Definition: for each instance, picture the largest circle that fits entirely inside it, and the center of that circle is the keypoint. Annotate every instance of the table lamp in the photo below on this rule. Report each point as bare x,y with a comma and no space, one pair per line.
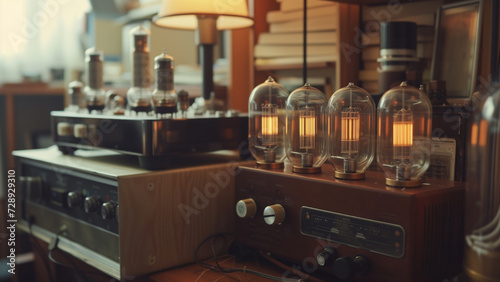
206,17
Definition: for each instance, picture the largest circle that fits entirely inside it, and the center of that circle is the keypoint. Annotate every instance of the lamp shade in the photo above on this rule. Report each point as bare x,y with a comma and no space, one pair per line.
183,14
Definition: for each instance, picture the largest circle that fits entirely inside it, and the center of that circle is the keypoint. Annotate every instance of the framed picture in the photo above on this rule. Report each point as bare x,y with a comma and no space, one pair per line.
456,49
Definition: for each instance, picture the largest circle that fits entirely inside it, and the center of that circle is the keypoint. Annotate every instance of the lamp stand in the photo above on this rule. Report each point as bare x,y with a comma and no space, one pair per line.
206,37
207,59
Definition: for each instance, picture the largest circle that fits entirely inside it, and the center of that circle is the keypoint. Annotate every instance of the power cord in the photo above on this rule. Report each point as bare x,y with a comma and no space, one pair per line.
218,268
38,248
291,269
53,247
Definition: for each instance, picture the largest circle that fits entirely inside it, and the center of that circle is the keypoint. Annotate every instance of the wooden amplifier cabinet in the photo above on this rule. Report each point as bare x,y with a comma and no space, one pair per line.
148,221
391,234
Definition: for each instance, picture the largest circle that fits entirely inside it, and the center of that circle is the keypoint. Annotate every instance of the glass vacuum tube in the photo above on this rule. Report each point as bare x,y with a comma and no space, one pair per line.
404,135
115,103
267,120
76,97
183,102
94,92
482,217
164,96
306,138
139,95
352,131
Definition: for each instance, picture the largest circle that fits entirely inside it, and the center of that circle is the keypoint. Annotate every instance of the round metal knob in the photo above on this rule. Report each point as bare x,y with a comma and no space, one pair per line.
274,214
64,129
74,199
246,208
108,210
326,256
344,268
91,204
80,130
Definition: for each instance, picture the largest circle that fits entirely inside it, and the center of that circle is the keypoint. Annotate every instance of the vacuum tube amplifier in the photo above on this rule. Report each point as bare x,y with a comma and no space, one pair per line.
164,96
306,134
483,194
404,135
267,123
351,129
94,92
139,95
343,230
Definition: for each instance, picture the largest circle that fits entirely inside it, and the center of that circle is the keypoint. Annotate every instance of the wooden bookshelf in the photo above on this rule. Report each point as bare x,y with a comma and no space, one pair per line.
373,2
19,100
245,75
294,66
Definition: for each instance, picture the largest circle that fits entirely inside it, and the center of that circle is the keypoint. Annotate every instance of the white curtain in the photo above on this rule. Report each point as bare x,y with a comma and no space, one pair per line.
38,35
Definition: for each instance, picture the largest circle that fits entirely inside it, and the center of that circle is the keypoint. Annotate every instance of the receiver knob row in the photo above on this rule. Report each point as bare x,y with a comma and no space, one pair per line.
108,210
273,214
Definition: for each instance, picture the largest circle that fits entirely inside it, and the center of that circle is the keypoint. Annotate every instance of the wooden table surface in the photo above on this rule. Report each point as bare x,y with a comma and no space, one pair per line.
196,272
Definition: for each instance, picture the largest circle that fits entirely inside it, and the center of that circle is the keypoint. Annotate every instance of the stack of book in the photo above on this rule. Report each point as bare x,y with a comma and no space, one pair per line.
282,45
423,15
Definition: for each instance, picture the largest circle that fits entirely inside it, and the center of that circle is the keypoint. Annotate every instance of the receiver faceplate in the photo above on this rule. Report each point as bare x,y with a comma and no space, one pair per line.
375,236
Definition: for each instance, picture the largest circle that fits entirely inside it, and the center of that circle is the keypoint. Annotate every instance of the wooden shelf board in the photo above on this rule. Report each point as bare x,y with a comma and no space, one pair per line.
294,66
372,2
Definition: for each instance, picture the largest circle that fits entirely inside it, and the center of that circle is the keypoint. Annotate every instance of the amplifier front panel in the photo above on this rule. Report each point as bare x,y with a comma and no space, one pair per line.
355,218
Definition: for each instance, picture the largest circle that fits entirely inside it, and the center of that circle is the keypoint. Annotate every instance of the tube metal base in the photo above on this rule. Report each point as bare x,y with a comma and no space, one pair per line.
482,267
274,165
349,175
402,183
308,170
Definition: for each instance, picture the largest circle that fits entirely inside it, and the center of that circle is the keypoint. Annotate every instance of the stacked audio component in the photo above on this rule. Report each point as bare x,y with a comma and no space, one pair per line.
157,142
119,218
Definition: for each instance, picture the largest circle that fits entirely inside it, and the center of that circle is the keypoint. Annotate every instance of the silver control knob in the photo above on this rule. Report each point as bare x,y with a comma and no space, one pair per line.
80,130
327,256
108,210
74,199
91,204
274,214
64,129
246,208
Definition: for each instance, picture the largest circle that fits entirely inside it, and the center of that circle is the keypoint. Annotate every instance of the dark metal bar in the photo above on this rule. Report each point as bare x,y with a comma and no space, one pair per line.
207,60
304,53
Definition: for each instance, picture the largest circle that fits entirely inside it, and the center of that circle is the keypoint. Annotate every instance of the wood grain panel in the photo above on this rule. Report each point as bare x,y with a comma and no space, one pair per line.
165,216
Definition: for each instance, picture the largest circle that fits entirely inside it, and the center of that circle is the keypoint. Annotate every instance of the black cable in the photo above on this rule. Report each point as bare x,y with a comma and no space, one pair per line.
196,255
218,268
39,248
67,266
214,252
75,268
53,246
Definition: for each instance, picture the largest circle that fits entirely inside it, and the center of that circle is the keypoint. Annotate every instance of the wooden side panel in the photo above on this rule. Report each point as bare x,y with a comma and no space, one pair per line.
243,77
165,216
349,60
241,74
